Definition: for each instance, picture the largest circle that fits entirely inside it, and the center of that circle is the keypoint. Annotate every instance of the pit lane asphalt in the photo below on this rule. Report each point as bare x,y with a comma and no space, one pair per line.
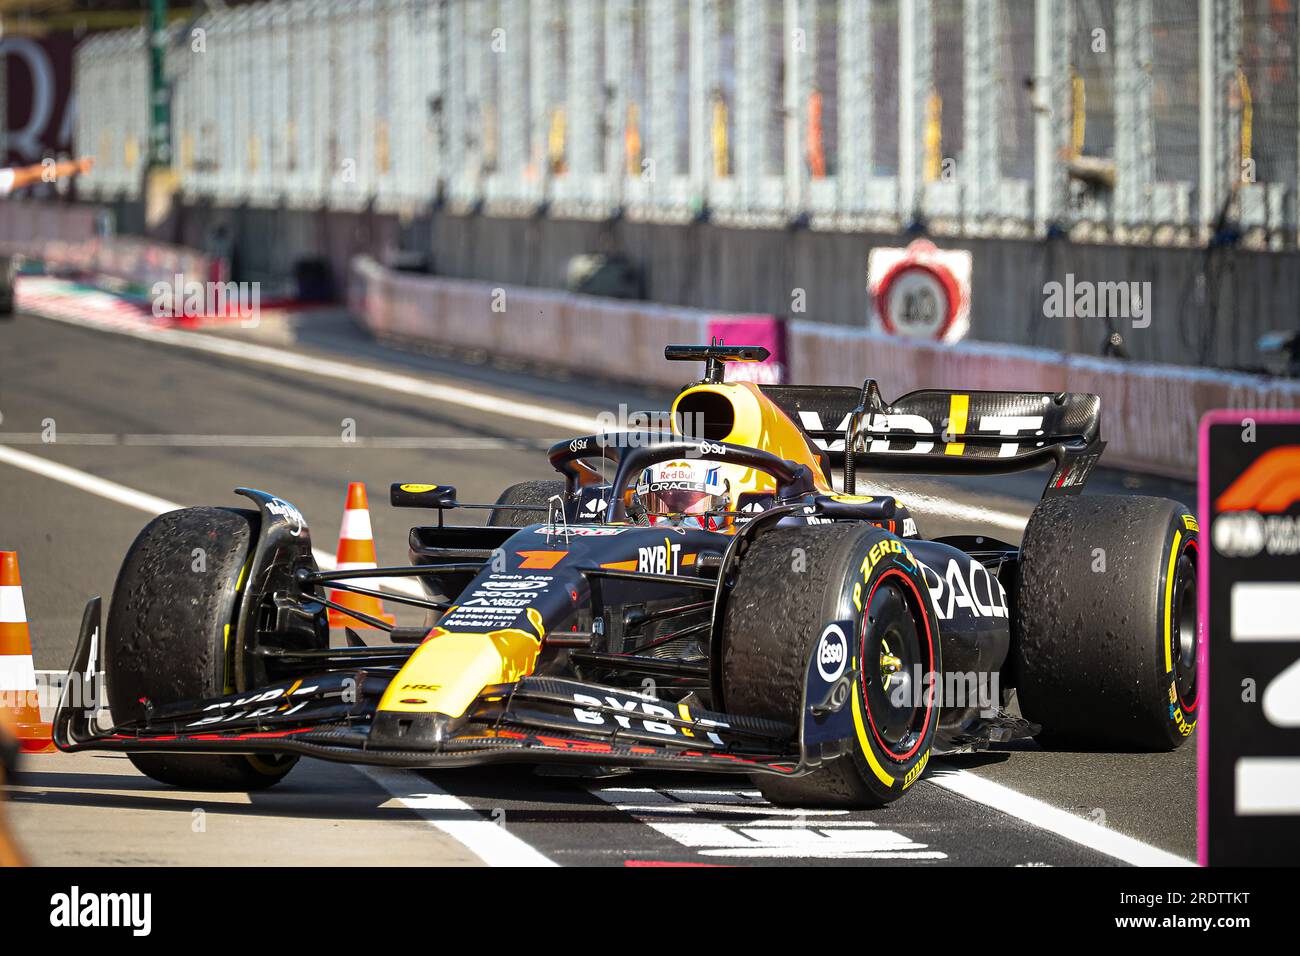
93,383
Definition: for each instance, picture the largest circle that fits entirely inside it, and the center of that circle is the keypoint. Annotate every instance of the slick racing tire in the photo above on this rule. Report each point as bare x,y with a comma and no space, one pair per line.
524,493
792,585
1105,647
169,625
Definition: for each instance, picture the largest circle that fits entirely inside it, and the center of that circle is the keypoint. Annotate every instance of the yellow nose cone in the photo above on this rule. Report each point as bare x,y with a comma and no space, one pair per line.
447,672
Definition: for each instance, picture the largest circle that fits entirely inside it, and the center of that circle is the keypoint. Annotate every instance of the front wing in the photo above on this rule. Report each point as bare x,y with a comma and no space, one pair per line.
539,719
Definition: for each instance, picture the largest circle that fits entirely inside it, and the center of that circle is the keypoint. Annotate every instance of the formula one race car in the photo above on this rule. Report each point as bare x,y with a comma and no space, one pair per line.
698,597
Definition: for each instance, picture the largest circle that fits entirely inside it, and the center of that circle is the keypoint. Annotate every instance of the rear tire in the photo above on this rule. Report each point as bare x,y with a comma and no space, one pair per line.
1106,641
524,493
168,635
792,583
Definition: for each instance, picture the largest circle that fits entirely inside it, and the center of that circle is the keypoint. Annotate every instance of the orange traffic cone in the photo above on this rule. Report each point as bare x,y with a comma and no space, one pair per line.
17,671
356,551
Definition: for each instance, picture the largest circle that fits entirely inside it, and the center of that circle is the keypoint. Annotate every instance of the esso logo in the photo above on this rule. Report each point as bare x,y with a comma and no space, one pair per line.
832,653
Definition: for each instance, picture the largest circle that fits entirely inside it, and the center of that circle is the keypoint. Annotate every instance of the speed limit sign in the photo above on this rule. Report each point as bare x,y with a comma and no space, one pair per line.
921,292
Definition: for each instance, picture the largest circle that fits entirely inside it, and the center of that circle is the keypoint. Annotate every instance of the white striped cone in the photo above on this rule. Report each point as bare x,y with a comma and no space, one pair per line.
18,699
356,552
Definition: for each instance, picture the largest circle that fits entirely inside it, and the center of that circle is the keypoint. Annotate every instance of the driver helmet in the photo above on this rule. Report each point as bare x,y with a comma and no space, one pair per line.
680,488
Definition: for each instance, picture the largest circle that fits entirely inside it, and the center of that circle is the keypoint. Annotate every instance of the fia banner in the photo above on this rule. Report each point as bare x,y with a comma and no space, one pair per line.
1249,756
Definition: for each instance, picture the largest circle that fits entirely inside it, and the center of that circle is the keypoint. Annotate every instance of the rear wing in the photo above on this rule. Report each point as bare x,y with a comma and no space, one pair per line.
935,431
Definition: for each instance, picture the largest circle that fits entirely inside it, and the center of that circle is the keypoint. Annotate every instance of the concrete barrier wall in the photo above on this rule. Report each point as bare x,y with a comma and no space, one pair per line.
1206,308
40,222
63,236
556,329
1150,412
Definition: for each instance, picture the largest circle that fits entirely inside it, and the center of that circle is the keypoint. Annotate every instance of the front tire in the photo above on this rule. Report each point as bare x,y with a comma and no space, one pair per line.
792,583
1106,640
524,493
170,629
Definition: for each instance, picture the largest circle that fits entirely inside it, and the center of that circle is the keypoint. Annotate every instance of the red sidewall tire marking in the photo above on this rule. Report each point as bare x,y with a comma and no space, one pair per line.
1194,547
862,656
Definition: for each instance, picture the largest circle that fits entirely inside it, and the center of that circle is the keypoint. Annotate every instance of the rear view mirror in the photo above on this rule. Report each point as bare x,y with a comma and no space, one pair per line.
410,495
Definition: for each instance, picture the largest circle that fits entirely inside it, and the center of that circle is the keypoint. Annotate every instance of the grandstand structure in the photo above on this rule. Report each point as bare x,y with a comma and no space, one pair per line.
744,155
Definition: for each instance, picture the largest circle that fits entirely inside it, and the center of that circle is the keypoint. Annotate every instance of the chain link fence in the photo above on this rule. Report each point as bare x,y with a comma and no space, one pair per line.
1131,117
1265,99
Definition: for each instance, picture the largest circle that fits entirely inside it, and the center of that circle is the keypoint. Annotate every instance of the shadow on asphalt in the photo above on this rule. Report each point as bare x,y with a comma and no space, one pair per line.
972,761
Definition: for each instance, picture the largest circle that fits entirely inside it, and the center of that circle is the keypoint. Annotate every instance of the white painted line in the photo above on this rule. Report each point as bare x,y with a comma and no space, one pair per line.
1268,786
351,373
491,842
1265,611
328,442
84,481
1053,819
151,504
741,824
65,438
